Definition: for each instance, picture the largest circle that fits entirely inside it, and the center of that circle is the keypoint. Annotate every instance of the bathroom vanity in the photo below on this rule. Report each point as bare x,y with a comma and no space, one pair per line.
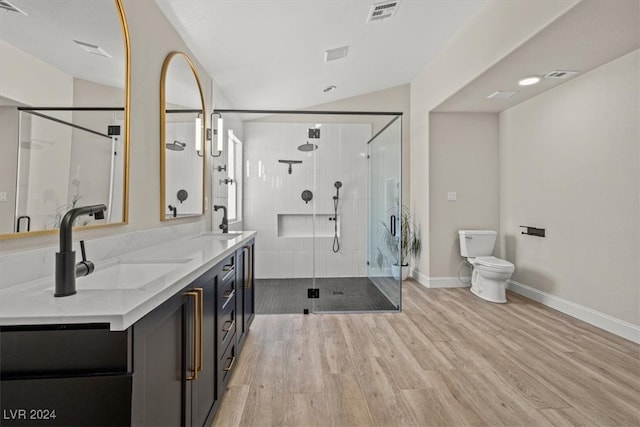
159,353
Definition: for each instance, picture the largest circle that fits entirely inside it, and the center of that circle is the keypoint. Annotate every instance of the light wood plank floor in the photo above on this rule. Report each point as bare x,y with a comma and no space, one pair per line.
449,359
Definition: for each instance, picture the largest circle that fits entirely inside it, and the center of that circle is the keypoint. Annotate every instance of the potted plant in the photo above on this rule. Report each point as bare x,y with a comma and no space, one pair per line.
401,247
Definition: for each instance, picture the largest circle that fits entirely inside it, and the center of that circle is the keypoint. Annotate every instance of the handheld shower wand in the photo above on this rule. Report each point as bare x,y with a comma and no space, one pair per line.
338,184
336,241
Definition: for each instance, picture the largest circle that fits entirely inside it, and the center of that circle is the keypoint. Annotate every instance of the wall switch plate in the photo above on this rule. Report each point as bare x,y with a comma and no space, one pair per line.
451,196
3,196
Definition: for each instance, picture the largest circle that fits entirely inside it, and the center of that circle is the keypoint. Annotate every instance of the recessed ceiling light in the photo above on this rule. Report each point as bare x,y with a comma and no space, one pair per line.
528,81
92,48
329,89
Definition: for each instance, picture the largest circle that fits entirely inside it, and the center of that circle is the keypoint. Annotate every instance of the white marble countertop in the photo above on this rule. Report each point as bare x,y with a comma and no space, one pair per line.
156,280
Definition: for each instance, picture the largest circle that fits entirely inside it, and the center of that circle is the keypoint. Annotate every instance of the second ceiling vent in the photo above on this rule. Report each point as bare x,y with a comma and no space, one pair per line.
380,11
337,53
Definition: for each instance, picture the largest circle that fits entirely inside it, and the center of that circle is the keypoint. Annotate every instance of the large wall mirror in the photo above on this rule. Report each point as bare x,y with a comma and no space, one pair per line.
182,137
64,107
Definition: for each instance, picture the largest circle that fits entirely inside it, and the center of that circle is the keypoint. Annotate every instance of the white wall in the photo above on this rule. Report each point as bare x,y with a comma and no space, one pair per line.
395,99
91,155
569,162
497,30
44,168
9,119
463,159
29,81
220,190
285,249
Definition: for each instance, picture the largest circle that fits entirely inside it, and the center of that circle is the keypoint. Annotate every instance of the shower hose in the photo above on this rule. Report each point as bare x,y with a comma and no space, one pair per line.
336,242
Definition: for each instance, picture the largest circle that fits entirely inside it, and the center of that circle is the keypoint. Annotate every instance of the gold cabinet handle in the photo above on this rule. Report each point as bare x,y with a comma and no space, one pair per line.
228,368
228,297
231,323
196,339
249,278
228,271
200,292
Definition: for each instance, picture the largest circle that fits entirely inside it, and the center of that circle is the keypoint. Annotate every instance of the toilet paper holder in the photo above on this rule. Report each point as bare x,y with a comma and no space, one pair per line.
533,231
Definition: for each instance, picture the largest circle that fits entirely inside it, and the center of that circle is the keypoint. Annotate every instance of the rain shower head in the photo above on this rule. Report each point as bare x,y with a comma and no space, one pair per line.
338,184
307,147
175,145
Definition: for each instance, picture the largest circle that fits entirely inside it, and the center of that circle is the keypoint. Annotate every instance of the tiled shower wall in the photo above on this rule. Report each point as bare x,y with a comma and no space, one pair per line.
274,207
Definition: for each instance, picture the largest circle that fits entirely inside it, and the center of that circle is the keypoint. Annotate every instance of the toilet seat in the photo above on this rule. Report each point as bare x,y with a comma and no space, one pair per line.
494,264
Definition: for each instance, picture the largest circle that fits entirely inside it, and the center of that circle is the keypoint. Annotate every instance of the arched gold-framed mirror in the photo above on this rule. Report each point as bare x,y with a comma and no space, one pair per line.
64,113
182,139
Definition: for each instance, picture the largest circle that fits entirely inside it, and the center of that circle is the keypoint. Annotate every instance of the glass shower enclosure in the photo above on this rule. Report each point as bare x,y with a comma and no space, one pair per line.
323,190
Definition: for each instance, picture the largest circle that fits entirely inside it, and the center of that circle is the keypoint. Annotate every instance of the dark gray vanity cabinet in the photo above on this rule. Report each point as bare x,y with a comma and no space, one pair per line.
64,375
227,320
170,368
204,391
175,359
245,290
162,348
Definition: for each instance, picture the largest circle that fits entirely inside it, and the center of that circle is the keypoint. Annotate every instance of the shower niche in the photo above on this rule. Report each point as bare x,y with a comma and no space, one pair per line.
307,225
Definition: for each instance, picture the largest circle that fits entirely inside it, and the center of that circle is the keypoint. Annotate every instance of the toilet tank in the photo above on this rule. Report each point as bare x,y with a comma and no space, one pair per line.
475,243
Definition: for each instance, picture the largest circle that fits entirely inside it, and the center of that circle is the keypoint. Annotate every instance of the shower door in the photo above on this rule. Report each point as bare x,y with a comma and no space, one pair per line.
357,199
385,201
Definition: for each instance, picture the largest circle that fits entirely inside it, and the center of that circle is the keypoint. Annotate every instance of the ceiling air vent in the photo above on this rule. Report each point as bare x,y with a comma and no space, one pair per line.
380,11
559,74
92,49
5,5
502,94
337,53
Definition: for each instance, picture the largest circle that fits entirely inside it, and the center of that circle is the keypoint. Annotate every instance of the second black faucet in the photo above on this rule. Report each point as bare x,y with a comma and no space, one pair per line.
224,226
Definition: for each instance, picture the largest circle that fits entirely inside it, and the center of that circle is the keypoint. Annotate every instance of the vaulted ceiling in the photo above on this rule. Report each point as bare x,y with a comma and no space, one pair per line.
270,53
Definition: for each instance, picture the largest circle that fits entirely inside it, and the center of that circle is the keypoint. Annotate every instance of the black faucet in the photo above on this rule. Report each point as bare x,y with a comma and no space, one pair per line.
224,226
174,209
66,268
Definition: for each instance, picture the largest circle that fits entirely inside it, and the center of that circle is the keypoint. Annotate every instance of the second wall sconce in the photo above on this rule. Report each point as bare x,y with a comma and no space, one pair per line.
219,133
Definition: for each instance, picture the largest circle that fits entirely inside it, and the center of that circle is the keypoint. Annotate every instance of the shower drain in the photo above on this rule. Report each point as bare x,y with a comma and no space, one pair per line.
337,293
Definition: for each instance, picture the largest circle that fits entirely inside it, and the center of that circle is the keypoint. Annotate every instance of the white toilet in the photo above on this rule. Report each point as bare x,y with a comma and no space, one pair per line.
490,274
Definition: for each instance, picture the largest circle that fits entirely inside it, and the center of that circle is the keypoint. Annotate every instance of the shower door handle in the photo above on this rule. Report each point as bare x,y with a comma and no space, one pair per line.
393,225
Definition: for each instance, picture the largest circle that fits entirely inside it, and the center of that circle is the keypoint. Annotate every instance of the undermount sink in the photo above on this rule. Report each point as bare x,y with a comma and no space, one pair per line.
219,236
228,236
128,274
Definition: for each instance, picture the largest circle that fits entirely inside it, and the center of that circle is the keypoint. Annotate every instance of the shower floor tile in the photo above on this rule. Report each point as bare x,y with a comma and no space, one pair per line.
285,296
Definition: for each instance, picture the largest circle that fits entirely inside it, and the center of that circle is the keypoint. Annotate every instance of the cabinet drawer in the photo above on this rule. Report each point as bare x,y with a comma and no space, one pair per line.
228,269
226,328
226,294
62,350
225,366
103,400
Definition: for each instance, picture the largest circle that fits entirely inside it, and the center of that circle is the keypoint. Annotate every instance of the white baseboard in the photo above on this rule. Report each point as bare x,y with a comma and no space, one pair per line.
603,321
419,277
439,282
